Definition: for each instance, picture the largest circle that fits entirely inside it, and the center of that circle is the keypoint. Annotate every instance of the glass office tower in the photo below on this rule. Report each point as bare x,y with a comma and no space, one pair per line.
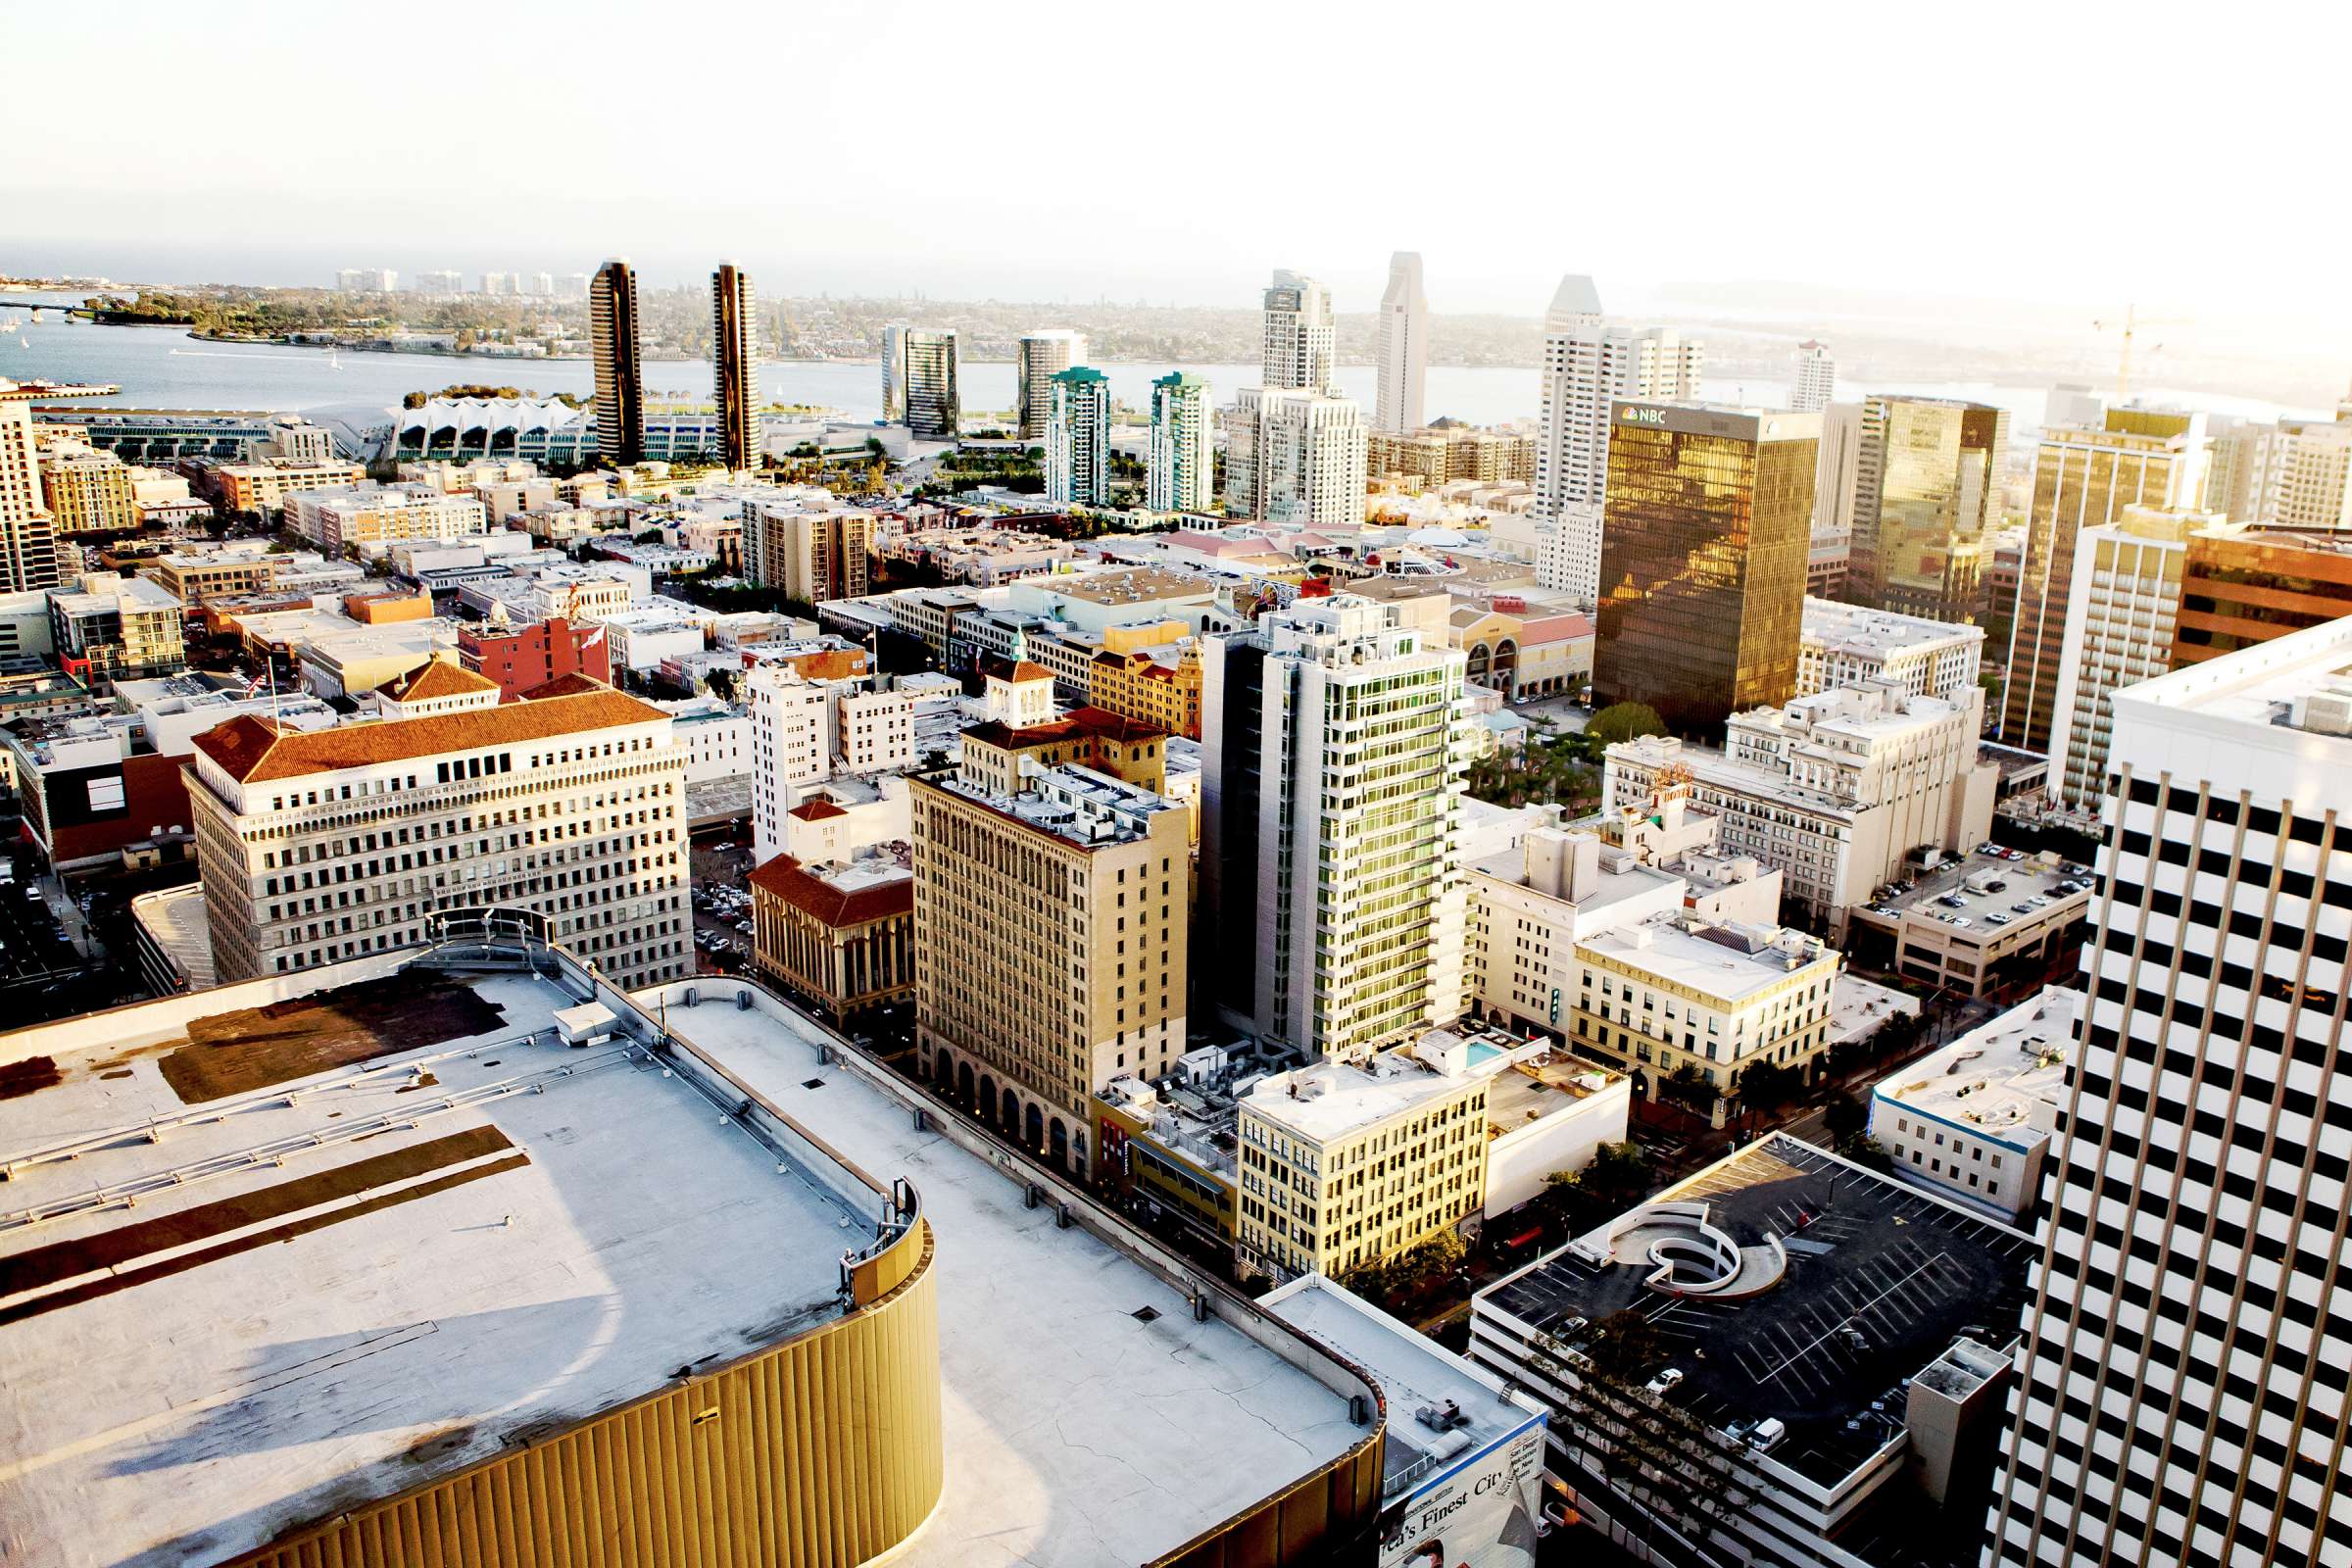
1927,503
1704,535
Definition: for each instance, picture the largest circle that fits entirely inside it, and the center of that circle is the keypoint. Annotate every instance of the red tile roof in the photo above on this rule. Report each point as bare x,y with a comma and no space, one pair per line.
437,679
572,684
783,878
1076,724
252,750
816,810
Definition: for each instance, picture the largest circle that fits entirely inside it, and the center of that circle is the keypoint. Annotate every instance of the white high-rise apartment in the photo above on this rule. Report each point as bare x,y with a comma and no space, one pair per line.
2180,1400
1816,385
1587,364
28,532
1404,348
1296,456
2121,609
1331,828
1078,439
2296,473
1042,356
791,723
337,843
1299,335
1182,474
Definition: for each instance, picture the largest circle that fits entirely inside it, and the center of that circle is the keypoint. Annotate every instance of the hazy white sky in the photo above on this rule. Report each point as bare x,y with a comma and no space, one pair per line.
1177,150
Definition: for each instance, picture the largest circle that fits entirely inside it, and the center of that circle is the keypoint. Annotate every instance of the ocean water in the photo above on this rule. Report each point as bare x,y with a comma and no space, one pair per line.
162,367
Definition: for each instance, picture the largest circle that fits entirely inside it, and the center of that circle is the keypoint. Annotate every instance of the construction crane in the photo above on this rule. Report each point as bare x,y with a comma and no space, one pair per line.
2131,324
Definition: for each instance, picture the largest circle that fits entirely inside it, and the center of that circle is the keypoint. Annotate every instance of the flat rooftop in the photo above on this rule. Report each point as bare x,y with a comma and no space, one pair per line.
1860,632
1077,1431
461,1232
1414,1373
2042,875
1860,1009
1729,962
1996,1078
1332,1098
1907,1272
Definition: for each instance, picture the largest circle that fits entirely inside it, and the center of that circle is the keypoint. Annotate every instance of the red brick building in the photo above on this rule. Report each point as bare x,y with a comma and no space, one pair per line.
520,657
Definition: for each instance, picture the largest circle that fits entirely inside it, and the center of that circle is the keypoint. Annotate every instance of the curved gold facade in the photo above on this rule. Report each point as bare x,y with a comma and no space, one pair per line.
819,1451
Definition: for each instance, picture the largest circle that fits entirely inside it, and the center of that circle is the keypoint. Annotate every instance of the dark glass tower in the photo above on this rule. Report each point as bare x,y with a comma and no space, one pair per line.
1704,535
735,365
613,341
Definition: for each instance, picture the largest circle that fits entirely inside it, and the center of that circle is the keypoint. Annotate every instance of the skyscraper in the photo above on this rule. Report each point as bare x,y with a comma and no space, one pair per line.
1294,456
735,365
1833,475
934,411
1334,743
614,343
1404,348
1586,364
2083,477
1298,336
1816,384
2120,620
1927,504
1043,356
2180,1400
27,533
1078,439
894,372
1182,474
1709,518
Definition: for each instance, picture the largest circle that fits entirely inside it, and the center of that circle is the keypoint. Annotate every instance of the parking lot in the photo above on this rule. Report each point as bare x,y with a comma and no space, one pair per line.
722,901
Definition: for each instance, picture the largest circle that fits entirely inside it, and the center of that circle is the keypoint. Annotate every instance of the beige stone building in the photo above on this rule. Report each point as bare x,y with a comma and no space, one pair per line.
87,491
1051,936
1344,1163
840,933
813,556
338,843
262,487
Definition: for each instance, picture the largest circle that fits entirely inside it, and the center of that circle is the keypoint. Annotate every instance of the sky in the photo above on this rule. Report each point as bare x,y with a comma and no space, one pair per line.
1175,153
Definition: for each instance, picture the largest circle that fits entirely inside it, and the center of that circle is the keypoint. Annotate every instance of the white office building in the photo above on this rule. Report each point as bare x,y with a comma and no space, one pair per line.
1182,474
1331,823
1851,645
2181,1383
1298,336
1042,356
2121,609
1296,456
1587,364
791,746
1971,1121
1402,349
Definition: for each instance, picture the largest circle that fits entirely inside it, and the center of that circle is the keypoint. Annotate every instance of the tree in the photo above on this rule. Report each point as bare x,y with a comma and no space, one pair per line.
1844,1117
1686,1086
1766,1084
1617,1173
1624,721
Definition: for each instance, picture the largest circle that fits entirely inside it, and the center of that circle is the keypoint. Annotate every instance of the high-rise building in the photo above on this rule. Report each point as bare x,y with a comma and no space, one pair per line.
1298,336
1927,504
1182,474
2248,585
366,280
2071,403
27,533
341,843
1078,439
87,491
1709,520
1296,456
617,347
1402,348
1587,365
2083,477
1051,943
448,282
811,555
2181,1394
1042,356
934,411
735,365
1816,384
894,372
2294,474
1333,904
2120,618
497,284
1833,475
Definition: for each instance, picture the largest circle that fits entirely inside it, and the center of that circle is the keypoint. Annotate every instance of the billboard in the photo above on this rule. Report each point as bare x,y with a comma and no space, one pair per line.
1480,1513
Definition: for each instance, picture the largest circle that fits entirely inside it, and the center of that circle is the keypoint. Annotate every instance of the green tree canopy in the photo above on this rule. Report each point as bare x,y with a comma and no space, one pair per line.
1624,721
